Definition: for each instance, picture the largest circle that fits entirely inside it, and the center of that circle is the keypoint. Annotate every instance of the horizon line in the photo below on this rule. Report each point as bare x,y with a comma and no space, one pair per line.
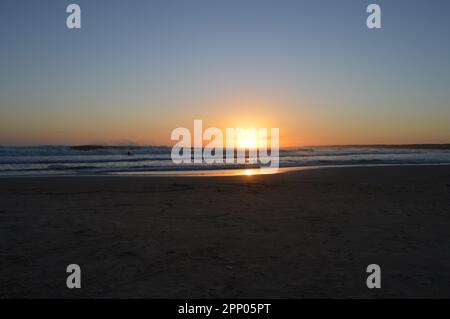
106,145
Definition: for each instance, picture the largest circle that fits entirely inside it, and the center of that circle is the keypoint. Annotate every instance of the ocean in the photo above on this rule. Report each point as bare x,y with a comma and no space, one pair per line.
66,160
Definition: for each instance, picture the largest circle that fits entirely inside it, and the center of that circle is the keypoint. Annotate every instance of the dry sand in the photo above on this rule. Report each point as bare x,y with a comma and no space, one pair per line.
292,235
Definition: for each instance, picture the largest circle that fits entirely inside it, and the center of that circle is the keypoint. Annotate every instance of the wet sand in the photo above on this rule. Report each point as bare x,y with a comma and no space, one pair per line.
293,235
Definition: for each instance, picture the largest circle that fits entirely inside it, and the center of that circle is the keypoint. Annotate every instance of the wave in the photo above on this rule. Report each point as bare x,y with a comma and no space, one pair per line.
48,160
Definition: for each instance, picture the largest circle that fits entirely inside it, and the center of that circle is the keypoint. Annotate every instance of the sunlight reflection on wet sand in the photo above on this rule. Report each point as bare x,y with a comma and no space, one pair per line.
222,172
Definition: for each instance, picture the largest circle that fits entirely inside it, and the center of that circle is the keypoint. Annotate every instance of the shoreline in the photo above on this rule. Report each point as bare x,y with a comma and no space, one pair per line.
219,172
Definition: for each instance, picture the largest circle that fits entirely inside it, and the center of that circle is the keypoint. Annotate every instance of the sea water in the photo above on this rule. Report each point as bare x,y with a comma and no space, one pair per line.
65,160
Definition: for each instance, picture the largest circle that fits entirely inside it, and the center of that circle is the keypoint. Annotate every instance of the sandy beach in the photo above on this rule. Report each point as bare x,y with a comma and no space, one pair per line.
292,235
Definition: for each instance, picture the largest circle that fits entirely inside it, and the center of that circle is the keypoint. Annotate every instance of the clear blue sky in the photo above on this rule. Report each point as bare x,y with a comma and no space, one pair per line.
138,69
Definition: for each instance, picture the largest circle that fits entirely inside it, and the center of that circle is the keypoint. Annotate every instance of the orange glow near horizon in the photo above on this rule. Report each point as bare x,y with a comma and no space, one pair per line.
305,126
248,141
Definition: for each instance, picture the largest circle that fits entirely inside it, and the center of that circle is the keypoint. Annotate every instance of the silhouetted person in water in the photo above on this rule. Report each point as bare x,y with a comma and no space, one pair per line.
129,153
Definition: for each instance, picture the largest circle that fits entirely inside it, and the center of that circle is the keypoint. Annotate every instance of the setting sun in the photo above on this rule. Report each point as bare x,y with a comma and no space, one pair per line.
248,140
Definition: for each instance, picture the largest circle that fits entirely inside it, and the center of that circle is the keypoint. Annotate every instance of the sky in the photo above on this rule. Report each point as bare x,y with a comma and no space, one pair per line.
138,69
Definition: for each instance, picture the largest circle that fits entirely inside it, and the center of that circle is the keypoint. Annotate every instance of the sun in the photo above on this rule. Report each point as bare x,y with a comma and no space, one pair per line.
248,140
247,143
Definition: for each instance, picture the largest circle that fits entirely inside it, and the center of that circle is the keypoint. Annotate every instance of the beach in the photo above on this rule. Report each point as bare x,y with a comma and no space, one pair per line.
299,234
